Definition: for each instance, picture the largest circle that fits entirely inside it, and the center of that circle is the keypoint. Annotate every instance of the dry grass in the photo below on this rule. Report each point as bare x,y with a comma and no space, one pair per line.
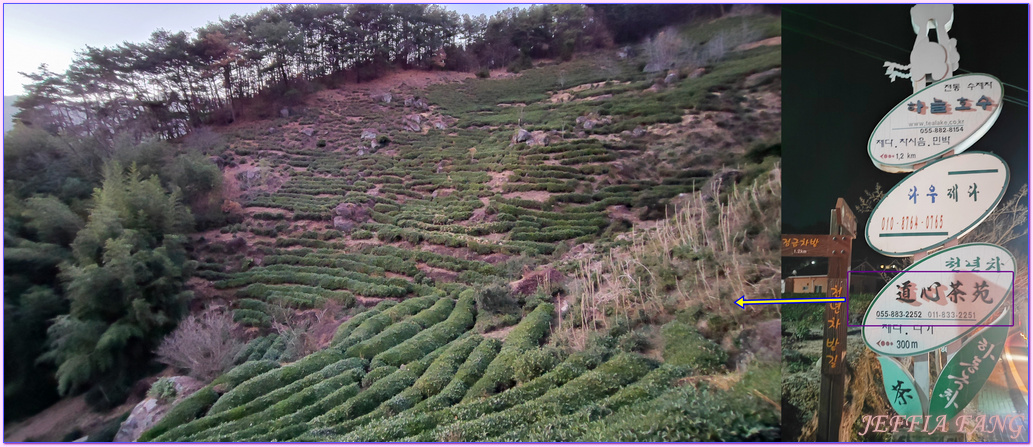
708,254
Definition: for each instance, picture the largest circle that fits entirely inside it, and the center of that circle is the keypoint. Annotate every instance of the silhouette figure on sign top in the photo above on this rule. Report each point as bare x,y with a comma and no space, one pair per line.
930,61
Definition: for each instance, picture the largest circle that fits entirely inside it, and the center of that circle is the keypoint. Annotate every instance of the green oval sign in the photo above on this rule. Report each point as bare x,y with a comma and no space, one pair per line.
967,372
904,394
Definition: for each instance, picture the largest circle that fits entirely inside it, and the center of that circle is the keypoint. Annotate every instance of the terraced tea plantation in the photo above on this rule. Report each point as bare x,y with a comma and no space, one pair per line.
395,205
415,371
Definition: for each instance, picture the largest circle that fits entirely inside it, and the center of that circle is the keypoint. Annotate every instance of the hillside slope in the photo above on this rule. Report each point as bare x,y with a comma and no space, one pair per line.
472,202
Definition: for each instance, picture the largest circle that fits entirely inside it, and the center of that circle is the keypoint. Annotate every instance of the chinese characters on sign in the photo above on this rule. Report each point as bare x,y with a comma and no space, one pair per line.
954,290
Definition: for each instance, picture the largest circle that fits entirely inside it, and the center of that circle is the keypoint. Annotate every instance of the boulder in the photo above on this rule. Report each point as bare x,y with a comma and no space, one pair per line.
150,410
538,138
369,134
354,212
412,122
440,125
590,121
697,73
420,104
285,112
671,78
530,282
638,131
342,224
521,136
308,132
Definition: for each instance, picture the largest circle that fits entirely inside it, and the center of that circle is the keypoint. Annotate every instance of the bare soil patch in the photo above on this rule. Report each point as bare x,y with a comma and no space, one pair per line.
499,334
539,196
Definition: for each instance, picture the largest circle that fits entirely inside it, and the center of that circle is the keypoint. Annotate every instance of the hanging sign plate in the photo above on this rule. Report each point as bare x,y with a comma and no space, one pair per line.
904,394
967,372
939,299
937,203
949,115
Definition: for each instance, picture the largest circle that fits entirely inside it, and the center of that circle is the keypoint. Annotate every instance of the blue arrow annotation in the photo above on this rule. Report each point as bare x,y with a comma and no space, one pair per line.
743,302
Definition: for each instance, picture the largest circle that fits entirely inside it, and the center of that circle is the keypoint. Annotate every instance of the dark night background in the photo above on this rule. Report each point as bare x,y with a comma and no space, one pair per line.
835,92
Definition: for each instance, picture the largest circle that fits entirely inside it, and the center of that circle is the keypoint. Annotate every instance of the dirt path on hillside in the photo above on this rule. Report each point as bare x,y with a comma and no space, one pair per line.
411,79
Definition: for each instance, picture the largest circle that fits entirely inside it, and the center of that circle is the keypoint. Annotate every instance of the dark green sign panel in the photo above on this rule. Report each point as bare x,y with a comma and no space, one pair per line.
966,373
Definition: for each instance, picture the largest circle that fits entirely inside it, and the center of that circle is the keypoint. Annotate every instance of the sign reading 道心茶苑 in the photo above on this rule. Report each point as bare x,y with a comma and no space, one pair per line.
965,374
949,115
939,299
940,202
905,396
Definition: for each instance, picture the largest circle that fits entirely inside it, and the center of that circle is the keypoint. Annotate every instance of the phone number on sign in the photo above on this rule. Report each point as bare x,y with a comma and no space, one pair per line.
942,129
939,315
952,315
899,314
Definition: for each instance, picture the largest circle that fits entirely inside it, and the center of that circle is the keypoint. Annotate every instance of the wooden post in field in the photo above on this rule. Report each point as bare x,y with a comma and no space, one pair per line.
836,247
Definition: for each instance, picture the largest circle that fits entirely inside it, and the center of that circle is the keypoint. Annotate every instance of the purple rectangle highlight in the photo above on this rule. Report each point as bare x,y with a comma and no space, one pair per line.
929,271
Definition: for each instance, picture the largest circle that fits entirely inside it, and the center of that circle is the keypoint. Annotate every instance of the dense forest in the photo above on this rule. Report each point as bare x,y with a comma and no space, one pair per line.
177,81
245,163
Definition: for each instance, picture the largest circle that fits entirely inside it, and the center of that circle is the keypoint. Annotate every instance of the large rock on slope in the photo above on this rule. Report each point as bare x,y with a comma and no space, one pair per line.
347,216
150,410
548,278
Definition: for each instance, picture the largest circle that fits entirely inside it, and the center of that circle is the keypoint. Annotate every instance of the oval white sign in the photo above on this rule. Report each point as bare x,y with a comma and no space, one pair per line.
937,203
949,115
939,299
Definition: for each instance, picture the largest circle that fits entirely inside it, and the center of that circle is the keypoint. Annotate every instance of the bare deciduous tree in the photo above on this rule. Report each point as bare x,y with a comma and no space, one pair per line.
664,50
1007,223
203,345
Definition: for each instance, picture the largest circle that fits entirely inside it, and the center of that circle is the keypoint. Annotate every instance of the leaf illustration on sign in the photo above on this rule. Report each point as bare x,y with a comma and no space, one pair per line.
904,394
966,373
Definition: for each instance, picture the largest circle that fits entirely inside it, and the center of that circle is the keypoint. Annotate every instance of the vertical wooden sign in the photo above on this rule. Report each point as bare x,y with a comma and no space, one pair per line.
843,229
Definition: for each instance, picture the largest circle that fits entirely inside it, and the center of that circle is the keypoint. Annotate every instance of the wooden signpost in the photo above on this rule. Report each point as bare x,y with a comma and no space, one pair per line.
836,247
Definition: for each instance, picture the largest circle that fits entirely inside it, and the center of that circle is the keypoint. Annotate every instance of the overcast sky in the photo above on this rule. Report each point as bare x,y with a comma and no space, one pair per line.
50,34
